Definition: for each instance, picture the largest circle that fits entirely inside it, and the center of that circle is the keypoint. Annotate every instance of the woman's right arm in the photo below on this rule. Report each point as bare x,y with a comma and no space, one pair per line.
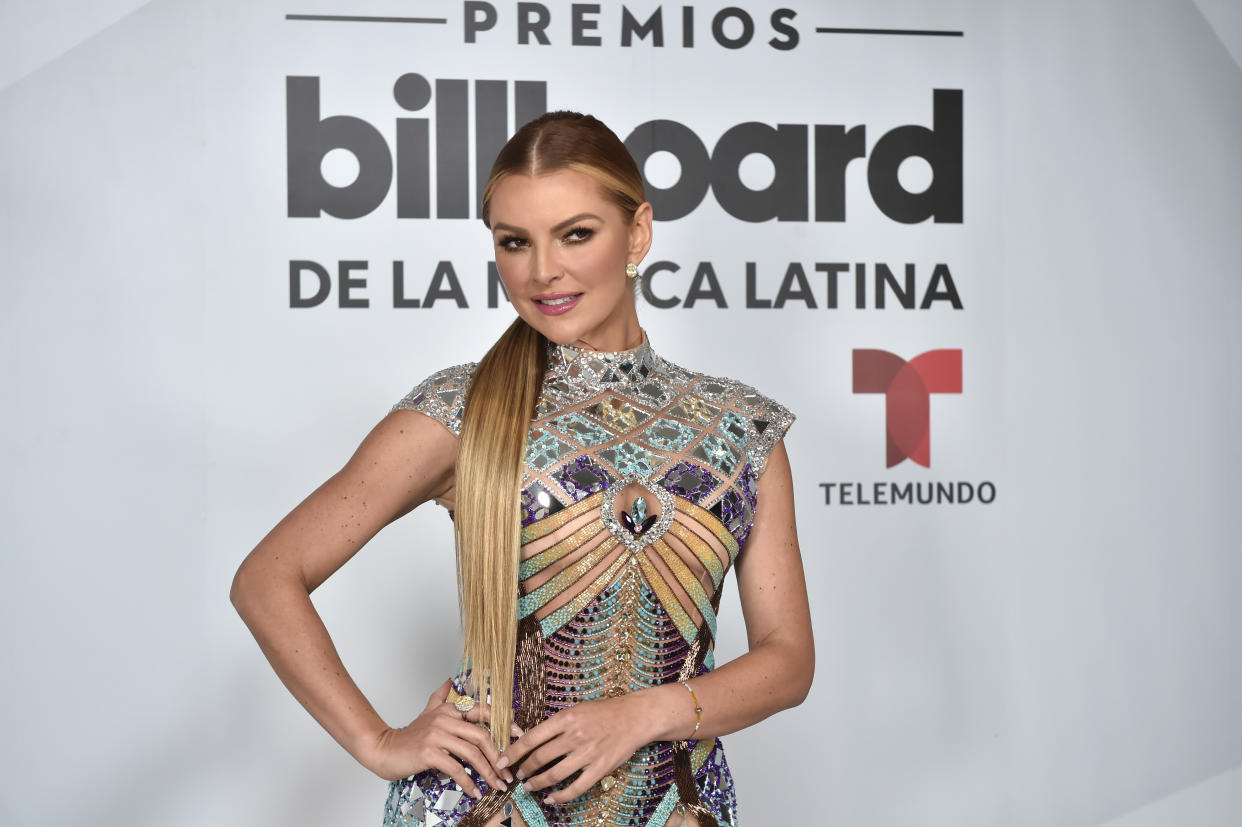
407,459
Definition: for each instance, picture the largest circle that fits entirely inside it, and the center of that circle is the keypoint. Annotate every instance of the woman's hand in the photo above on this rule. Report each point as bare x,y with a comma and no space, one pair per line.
436,739
593,737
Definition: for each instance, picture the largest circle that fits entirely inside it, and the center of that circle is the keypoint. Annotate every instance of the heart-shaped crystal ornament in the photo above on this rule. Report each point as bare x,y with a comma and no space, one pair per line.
636,528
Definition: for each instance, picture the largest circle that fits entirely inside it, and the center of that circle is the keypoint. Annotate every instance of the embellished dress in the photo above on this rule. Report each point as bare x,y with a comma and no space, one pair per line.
638,493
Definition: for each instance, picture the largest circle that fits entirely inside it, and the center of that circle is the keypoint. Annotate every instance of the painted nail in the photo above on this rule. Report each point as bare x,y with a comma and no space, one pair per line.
508,776
521,773
549,800
528,786
503,762
502,785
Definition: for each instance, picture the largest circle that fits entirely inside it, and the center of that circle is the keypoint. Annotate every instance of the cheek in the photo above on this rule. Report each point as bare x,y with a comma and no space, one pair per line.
511,271
600,265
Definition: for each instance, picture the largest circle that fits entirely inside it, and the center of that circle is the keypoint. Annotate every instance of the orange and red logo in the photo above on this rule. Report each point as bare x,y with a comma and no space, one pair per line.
907,389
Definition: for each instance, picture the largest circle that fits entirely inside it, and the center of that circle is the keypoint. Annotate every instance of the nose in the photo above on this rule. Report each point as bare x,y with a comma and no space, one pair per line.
547,264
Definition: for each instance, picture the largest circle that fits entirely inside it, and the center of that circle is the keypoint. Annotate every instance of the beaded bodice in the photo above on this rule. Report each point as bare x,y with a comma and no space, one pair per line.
638,493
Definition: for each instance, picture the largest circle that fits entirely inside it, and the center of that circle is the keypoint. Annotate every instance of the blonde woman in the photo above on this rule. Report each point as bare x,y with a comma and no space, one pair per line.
600,495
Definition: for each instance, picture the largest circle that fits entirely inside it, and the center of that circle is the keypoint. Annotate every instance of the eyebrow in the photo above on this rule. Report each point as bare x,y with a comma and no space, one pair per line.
573,219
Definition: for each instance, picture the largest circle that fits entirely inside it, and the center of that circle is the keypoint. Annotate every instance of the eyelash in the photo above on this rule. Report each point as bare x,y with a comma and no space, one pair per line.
511,243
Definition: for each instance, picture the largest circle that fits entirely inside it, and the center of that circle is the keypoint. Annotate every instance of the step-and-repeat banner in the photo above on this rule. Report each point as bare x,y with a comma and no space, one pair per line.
985,252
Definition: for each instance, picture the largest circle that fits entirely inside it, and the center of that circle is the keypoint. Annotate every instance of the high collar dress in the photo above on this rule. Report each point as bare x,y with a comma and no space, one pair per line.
638,494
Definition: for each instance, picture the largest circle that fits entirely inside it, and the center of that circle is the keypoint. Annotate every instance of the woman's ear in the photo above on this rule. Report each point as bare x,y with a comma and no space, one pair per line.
640,233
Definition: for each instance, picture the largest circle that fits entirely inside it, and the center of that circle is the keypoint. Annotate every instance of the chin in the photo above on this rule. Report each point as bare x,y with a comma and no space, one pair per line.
559,331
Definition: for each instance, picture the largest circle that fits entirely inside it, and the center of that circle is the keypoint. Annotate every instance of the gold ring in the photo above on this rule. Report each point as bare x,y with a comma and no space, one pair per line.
464,704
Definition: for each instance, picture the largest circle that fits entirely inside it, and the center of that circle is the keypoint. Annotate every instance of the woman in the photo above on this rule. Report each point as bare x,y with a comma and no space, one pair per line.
591,697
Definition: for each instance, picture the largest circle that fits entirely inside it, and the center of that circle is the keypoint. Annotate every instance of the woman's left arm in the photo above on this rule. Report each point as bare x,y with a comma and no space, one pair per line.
774,674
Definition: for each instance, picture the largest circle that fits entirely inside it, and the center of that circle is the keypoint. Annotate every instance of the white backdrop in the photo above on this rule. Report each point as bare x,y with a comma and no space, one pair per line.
1064,655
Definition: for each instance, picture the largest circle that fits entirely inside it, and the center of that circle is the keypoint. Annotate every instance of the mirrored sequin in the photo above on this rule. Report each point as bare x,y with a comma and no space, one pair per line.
619,600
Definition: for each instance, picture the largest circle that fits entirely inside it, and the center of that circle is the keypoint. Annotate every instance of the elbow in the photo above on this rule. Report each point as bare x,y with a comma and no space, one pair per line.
237,591
801,676
242,591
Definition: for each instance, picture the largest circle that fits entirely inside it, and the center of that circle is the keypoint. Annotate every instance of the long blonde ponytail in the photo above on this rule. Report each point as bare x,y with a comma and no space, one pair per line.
500,404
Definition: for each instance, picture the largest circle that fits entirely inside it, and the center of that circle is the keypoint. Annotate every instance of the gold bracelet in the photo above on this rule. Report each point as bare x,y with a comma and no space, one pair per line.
698,710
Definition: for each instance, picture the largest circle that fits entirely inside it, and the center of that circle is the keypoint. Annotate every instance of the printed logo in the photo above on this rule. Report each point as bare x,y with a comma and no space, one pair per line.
907,389
402,156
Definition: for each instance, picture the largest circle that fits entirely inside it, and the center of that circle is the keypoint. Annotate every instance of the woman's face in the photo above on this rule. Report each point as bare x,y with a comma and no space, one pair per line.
561,249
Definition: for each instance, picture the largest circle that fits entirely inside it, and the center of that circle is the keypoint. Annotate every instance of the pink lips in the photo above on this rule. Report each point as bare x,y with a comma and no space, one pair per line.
556,309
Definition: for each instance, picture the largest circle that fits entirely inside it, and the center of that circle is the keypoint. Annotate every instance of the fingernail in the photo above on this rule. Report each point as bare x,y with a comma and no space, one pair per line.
521,773
503,762
549,800
502,785
475,792
528,786
509,777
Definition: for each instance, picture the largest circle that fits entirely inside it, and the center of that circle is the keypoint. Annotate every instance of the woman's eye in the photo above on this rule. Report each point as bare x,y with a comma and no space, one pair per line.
579,234
511,242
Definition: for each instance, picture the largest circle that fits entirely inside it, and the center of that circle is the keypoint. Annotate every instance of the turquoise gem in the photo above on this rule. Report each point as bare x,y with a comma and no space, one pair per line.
639,511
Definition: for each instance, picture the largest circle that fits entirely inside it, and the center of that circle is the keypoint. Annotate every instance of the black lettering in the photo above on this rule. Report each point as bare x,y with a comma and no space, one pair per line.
940,146
878,494
345,284
751,300
941,288
827,486
944,492
901,493
653,26
651,298
452,143
533,18
884,280
687,26
918,492
785,146
491,129
834,149
718,24
399,298
843,496
444,285
530,100
862,499
965,493
580,24
412,92
296,299
794,273
704,285
308,138
475,23
681,198
831,270
991,495
780,23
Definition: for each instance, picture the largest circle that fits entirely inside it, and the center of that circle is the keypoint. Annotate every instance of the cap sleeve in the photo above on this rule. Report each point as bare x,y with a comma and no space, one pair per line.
767,422
441,396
